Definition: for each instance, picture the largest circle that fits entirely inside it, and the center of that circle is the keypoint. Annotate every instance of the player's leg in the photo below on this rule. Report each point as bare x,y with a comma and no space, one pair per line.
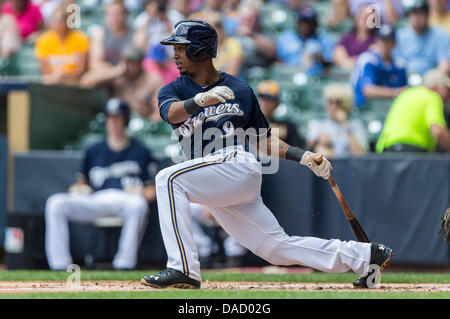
59,210
201,239
133,208
254,226
208,181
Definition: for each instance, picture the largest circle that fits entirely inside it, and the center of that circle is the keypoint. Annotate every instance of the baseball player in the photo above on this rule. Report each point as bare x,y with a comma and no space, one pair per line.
114,180
219,122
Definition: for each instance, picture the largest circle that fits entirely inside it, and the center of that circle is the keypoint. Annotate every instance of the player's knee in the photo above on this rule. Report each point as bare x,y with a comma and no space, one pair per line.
162,177
139,205
55,204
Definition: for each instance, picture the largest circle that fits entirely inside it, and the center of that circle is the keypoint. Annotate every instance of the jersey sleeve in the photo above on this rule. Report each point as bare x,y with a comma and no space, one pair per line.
368,75
166,97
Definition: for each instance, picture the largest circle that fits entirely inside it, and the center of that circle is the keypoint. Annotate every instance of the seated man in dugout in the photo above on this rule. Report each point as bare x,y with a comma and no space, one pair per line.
114,180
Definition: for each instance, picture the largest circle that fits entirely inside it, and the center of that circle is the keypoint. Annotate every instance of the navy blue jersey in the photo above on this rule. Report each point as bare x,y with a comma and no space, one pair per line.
105,168
235,122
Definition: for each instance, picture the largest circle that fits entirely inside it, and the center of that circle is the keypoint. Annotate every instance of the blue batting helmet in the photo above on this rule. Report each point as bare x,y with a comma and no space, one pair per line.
115,106
200,37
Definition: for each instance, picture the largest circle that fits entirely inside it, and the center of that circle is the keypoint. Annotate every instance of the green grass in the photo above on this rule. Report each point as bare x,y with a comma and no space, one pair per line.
228,294
317,277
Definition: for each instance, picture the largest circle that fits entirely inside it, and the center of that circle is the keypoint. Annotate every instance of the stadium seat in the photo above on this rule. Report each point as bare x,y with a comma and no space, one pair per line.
274,18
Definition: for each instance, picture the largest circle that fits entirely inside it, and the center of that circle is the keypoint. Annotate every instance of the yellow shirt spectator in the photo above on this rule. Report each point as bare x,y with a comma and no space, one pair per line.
62,55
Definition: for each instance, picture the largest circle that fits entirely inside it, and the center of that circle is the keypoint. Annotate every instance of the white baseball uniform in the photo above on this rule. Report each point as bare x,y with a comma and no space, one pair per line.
227,179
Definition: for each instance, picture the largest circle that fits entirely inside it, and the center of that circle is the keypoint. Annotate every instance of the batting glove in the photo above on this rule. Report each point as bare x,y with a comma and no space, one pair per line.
311,160
213,96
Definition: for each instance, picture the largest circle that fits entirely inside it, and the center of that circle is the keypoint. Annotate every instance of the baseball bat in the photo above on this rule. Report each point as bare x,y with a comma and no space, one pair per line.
357,230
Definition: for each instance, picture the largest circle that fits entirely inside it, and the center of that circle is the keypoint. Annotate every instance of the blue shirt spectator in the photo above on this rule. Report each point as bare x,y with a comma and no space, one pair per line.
422,52
423,47
370,69
377,74
306,47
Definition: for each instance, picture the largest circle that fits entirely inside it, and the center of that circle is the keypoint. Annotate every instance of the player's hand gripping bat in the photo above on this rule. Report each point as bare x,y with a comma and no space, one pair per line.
357,230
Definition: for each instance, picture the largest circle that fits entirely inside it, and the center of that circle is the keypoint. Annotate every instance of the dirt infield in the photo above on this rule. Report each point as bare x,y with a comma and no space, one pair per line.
11,287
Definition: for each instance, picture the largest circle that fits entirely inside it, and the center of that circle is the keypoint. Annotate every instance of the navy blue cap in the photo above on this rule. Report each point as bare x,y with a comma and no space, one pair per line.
116,106
307,14
418,5
386,32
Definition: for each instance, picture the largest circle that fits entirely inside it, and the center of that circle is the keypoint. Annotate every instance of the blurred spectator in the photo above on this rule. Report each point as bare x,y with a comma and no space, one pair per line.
390,11
337,135
178,10
28,17
423,47
157,61
377,74
9,35
440,14
355,42
229,50
415,122
269,99
48,6
152,25
131,5
306,47
228,11
62,52
259,49
131,83
114,180
207,245
109,41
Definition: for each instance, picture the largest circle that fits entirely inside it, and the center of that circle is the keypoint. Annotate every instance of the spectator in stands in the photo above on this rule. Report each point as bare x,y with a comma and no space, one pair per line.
157,61
62,52
48,6
129,81
131,5
377,74
228,12
178,10
423,47
153,25
337,135
415,122
259,49
9,35
269,99
229,50
439,14
390,11
109,41
355,42
114,180
27,15
306,47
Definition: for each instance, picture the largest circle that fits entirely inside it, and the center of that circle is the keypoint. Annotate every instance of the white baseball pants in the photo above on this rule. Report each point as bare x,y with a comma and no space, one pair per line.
229,184
64,207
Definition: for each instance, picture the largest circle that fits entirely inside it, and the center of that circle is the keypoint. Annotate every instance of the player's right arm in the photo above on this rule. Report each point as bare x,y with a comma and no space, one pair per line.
173,110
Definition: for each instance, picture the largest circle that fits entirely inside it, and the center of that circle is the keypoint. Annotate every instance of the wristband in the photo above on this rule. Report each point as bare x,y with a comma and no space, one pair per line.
190,106
294,154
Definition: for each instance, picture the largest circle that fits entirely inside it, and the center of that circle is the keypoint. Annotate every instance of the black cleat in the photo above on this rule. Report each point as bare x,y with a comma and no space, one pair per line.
170,278
380,255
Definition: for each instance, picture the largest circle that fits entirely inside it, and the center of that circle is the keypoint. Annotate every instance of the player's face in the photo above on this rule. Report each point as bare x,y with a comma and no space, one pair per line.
115,125
184,65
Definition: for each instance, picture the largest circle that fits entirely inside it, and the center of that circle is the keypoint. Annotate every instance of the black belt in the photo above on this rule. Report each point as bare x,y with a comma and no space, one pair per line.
404,148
